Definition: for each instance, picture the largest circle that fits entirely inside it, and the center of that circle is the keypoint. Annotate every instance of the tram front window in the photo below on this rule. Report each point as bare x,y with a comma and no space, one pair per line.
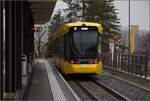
84,43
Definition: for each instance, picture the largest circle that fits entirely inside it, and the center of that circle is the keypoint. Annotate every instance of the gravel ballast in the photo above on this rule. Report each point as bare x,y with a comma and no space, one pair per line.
130,91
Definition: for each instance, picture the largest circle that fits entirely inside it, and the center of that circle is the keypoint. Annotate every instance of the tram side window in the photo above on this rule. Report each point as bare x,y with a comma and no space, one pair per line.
57,52
58,48
99,46
67,46
61,47
55,48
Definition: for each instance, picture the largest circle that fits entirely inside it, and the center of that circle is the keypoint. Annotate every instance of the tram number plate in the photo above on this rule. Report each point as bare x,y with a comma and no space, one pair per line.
83,65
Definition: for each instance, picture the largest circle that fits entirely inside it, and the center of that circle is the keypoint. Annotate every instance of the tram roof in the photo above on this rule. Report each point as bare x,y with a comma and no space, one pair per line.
65,28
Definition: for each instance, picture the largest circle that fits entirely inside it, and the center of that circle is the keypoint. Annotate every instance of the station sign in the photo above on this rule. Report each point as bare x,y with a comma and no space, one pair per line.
37,29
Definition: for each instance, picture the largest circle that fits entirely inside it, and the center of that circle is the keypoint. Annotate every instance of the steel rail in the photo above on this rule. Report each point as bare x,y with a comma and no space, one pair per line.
89,93
111,91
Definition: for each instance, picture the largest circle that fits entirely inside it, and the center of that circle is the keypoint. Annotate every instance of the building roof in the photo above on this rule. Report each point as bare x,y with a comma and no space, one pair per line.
42,10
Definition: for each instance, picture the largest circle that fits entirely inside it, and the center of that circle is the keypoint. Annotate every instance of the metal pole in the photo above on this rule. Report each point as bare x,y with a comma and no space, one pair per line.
83,10
129,27
18,43
59,20
1,50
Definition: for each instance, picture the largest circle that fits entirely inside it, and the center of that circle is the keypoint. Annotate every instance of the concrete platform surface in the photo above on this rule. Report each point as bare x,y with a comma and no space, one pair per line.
46,84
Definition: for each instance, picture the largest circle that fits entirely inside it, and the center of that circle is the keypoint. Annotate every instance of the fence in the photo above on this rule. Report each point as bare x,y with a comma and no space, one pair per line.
135,64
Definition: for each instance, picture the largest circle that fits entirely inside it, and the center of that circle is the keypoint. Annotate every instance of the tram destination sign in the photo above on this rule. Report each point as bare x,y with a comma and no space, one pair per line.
84,28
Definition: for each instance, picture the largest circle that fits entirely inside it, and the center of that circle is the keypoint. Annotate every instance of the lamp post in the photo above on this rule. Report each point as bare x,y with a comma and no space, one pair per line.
129,28
83,10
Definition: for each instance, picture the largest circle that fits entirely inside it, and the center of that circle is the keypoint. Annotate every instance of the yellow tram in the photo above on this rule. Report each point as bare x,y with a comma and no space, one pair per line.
77,48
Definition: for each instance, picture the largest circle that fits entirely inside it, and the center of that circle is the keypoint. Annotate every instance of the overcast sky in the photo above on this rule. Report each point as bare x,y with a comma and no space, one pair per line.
140,12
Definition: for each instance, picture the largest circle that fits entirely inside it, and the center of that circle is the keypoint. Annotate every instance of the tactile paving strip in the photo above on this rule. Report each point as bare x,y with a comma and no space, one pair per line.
56,90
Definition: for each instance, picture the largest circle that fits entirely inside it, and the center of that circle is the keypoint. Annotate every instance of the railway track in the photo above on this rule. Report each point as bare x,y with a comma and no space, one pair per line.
111,91
87,91
96,91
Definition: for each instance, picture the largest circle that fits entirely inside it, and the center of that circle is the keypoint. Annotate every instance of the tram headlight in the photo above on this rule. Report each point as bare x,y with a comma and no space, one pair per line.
95,61
72,61
75,28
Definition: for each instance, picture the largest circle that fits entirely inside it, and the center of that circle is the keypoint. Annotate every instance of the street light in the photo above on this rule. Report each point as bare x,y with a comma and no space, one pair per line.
129,27
83,10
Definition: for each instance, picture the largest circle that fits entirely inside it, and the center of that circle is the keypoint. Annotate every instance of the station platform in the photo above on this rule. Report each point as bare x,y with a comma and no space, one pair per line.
47,84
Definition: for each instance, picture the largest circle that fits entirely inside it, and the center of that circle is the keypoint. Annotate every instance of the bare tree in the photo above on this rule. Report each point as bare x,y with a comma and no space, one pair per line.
40,42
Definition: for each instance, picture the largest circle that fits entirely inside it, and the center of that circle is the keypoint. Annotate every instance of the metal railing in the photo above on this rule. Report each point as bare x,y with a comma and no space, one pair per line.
135,64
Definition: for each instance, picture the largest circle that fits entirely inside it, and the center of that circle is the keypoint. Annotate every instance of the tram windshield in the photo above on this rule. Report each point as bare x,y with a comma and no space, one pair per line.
84,43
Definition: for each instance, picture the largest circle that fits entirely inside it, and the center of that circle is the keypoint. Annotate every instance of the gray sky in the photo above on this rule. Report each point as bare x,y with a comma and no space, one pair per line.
140,12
